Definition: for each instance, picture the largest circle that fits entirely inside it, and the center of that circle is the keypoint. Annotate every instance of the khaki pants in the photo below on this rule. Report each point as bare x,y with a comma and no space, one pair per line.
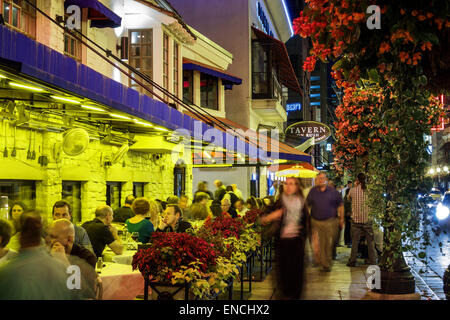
323,238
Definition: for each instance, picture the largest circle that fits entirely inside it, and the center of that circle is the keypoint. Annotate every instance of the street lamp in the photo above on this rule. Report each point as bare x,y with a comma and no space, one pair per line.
445,169
431,171
438,170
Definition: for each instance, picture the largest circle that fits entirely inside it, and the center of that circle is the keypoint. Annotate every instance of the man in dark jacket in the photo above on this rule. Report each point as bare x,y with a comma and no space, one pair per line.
173,220
125,212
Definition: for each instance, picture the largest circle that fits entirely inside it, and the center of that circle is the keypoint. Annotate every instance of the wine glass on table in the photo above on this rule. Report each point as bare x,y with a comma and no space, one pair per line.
135,236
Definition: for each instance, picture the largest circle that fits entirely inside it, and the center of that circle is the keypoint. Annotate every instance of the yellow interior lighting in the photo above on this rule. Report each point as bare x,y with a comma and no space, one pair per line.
161,129
65,99
92,108
119,116
142,123
22,86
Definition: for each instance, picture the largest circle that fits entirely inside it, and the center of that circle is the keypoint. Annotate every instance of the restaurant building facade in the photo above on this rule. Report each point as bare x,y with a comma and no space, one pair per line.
254,31
75,126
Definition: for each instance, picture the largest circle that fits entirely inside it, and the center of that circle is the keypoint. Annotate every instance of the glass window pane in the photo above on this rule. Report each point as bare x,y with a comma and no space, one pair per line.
71,192
6,7
15,190
113,194
15,16
135,36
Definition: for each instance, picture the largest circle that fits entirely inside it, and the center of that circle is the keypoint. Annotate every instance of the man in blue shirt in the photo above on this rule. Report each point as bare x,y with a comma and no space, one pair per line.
327,216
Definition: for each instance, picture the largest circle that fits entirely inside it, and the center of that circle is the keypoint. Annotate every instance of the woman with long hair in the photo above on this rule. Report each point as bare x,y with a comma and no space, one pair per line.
291,216
15,212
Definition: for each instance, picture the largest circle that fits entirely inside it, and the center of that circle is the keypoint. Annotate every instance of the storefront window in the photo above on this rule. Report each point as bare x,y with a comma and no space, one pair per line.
16,190
113,194
209,91
138,189
71,192
141,57
188,86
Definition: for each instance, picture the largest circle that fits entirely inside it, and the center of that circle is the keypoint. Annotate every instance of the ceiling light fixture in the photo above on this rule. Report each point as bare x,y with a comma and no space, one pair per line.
92,108
119,116
142,123
18,85
65,99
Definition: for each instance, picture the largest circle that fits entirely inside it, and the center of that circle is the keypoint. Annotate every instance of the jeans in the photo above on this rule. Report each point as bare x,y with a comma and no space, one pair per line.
358,229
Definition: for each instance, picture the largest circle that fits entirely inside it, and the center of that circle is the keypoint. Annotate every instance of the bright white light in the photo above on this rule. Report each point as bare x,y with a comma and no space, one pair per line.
161,129
442,212
92,108
65,99
143,123
119,116
431,171
446,169
2,77
287,15
438,170
18,85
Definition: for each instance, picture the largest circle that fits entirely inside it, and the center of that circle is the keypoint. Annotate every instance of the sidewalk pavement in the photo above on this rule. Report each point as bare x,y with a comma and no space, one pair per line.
342,283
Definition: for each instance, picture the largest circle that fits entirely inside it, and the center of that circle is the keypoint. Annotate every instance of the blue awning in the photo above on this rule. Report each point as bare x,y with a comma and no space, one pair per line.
100,15
227,80
25,56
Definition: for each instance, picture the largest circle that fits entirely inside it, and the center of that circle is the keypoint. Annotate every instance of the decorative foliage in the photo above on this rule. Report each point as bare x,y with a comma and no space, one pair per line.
387,75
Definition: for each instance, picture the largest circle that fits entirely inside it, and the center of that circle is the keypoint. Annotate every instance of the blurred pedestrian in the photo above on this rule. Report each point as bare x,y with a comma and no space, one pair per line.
17,209
293,223
348,215
203,187
361,223
237,191
221,191
327,215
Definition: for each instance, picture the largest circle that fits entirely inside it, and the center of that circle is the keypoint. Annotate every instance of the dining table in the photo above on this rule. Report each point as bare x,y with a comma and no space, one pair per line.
120,282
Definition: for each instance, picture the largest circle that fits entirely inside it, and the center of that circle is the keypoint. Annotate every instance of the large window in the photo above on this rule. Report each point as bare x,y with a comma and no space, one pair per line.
20,15
209,92
188,86
71,192
141,57
176,70
113,194
138,189
16,190
265,84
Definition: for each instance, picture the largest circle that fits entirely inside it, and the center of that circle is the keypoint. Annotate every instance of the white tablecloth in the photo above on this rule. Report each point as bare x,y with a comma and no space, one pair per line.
125,258
120,282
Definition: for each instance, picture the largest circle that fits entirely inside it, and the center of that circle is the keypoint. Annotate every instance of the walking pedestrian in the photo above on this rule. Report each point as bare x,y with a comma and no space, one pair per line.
348,215
292,218
361,224
327,215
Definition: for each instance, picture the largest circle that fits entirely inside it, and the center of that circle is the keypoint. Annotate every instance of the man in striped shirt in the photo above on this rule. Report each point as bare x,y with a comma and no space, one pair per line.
361,225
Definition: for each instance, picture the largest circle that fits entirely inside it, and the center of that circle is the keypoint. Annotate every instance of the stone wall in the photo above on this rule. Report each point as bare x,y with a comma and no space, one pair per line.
87,168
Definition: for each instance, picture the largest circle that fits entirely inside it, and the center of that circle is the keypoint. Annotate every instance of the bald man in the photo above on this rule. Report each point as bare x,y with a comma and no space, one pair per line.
60,239
102,233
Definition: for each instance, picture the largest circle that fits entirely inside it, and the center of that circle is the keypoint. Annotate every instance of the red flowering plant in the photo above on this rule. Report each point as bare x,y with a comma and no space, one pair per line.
251,216
226,226
169,251
411,36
